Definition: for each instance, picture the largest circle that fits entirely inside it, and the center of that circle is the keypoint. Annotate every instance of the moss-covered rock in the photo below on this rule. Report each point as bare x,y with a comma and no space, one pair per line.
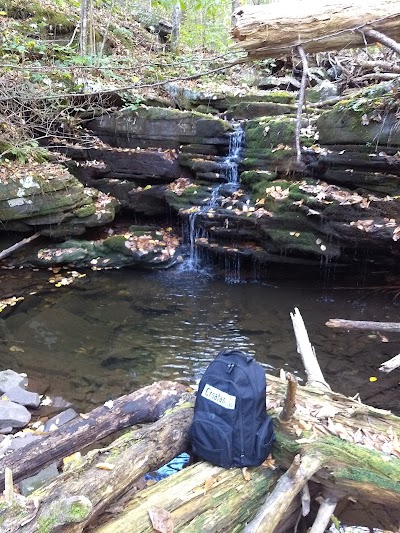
167,126
147,249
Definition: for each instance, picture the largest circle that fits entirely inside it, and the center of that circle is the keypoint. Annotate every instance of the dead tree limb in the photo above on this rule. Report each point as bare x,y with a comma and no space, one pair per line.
289,405
20,244
363,324
302,93
391,364
103,476
145,405
326,508
315,377
288,486
377,36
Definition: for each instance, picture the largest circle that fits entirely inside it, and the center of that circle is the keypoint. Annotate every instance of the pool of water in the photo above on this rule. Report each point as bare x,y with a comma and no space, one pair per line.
112,332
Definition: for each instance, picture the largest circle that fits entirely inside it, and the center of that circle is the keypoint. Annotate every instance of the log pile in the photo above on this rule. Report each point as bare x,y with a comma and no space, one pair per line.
345,448
273,30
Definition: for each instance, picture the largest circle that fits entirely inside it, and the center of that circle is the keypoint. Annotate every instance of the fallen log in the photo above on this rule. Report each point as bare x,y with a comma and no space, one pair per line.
202,497
363,324
75,497
273,30
335,436
145,405
359,447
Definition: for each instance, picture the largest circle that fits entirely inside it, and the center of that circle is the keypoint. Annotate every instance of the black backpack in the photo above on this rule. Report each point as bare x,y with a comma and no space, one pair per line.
230,425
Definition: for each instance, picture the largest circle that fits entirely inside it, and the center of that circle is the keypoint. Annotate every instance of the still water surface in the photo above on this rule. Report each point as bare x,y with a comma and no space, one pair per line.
111,332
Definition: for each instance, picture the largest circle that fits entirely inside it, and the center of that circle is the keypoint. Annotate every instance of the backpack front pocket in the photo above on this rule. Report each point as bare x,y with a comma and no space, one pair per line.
211,439
264,440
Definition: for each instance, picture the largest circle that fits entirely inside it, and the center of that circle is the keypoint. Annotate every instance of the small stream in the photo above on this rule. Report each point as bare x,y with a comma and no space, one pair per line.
110,333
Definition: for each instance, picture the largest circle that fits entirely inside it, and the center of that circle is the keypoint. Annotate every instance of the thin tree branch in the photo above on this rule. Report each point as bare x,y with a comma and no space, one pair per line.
300,104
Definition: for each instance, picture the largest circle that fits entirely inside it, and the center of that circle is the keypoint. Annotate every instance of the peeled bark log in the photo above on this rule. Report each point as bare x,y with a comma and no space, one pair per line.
363,324
145,405
200,498
74,498
273,30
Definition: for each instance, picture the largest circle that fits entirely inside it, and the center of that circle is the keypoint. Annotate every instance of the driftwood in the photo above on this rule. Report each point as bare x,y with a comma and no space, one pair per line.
363,324
75,497
335,437
20,244
357,444
200,498
391,364
144,405
274,29
315,377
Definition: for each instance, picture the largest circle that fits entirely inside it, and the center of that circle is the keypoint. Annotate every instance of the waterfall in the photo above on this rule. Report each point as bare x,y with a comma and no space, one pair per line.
230,170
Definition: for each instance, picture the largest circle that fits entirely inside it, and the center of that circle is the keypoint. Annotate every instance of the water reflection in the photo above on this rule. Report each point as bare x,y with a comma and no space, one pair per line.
112,332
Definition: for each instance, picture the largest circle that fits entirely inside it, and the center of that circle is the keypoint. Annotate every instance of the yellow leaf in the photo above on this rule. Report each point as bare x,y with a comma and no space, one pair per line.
373,378
105,466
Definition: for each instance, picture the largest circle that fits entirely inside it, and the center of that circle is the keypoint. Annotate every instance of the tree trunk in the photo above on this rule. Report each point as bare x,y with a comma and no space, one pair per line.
200,498
176,27
273,30
145,405
84,26
74,498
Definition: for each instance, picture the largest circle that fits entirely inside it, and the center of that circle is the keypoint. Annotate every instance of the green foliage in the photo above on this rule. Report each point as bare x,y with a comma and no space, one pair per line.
24,152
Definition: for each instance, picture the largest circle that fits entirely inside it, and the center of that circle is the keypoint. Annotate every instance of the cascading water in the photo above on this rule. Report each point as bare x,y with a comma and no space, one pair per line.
229,167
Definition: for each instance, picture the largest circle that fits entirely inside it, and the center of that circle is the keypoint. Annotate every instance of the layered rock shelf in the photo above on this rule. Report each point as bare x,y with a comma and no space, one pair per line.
161,165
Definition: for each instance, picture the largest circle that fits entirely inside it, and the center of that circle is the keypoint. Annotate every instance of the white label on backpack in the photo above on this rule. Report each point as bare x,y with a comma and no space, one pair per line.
218,396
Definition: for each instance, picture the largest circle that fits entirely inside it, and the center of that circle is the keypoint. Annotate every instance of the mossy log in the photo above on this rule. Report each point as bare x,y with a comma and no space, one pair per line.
273,30
145,405
334,435
91,483
200,498
356,447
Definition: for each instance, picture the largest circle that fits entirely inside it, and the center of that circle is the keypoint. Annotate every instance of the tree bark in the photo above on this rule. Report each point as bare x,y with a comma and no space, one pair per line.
75,498
145,405
357,446
200,498
273,30
363,324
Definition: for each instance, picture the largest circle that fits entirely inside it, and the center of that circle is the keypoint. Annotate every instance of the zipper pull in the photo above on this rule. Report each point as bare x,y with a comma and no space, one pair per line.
230,367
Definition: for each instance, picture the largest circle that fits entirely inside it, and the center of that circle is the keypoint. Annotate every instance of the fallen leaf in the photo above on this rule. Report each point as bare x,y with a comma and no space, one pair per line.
105,466
161,520
246,474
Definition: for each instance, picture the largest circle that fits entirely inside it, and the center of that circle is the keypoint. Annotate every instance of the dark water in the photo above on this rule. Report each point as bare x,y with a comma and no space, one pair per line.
110,333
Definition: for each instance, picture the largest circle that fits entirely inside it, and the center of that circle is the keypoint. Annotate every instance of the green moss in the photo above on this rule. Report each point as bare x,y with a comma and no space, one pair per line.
85,210
254,177
46,525
77,512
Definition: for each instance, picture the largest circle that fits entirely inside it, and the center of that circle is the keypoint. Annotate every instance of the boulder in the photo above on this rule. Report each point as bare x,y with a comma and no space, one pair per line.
12,414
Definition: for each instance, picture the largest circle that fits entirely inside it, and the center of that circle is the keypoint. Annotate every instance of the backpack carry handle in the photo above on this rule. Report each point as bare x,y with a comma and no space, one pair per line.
249,358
